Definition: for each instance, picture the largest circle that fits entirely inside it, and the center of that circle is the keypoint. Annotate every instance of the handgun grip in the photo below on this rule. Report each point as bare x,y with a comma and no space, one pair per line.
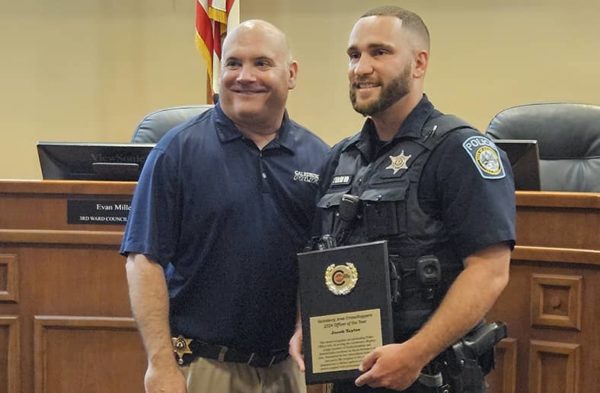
484,338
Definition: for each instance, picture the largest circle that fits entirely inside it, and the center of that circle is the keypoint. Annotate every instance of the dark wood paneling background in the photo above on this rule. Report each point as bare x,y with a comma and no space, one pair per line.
66,326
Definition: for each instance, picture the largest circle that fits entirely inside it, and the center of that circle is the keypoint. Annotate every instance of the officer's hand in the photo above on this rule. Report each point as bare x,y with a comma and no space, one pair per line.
295,348
168,379
391,366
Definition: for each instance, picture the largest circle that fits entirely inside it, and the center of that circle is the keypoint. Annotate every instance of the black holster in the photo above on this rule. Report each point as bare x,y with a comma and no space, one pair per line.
464,365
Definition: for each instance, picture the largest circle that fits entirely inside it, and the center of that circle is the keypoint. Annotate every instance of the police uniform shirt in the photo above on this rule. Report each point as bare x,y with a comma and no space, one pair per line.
226,220
476,205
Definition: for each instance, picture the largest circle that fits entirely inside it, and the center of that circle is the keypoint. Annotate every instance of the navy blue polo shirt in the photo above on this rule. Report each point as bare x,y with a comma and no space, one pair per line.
226,220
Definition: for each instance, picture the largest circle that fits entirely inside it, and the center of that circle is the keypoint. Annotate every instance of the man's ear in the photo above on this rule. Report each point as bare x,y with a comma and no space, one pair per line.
293,70
421,63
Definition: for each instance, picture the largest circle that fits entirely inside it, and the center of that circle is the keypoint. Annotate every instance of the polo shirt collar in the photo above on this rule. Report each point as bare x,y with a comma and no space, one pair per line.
227,131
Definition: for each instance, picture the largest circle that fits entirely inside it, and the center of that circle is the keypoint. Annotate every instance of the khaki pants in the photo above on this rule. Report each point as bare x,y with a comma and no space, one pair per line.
211,376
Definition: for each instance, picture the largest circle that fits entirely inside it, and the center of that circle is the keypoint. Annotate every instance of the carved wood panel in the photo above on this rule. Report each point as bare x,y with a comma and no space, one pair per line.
87,354
553,367
9,278
10,355
556,301
504,377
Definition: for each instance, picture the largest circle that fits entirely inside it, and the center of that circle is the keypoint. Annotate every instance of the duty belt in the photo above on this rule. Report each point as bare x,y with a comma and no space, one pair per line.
188,349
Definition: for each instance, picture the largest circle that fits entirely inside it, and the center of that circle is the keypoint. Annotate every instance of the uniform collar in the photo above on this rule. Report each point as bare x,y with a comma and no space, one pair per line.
411,128
227,131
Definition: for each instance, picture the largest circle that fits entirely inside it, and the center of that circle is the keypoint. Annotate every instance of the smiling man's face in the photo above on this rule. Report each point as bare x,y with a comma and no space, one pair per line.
380,64
256,75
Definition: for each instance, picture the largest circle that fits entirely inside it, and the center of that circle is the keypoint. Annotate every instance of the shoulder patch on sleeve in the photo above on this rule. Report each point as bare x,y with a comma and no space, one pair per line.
485,156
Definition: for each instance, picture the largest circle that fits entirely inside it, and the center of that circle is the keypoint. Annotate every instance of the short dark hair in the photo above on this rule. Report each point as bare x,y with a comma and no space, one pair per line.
410,20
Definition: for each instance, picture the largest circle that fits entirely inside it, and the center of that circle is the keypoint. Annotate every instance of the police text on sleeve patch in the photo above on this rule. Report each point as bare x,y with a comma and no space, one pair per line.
486,157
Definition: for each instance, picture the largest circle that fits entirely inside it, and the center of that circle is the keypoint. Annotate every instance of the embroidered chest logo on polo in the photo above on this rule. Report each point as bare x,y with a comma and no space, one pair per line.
306,177
485,156
399,162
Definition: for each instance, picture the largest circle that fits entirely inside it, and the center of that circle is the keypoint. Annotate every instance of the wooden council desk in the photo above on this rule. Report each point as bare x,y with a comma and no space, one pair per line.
65,319
552,302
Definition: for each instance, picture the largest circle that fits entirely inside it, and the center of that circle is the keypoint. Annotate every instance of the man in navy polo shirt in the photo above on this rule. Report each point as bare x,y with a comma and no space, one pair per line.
223,205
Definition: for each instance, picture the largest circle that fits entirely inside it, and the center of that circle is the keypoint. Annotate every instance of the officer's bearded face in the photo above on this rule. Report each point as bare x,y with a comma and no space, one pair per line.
391,92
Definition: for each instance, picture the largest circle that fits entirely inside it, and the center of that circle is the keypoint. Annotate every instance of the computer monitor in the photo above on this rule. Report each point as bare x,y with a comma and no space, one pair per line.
524,158
92,161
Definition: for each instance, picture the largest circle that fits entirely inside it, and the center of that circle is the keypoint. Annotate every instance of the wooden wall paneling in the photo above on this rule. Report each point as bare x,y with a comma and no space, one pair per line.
76,333
10,355
558,220
9,278
504,376
73,279
513,308
87,354
554,367
556,301
46,203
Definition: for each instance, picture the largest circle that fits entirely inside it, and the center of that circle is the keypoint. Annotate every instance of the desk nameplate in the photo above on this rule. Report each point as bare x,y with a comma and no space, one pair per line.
98,211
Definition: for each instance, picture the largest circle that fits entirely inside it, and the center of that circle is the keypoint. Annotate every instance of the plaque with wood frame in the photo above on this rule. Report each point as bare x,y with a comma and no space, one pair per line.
346,308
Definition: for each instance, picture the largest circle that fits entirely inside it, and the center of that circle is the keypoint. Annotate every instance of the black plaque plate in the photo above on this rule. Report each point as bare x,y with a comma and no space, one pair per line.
339,329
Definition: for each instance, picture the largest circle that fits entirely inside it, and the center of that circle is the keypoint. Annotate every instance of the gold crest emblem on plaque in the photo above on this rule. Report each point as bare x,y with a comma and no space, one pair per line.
341,279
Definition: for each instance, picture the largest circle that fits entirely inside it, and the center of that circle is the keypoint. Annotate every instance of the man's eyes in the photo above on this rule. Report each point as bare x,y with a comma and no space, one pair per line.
263,63
232,64
258,63
353,55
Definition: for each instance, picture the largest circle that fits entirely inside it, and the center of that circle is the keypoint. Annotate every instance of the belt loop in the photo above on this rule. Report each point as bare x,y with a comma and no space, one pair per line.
272,360
249,362
222,352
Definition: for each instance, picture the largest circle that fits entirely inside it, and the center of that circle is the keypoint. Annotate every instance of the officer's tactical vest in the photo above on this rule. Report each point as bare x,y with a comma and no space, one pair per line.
389,210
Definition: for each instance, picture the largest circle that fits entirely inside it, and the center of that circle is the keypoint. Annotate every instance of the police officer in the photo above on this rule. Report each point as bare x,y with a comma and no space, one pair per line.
441,193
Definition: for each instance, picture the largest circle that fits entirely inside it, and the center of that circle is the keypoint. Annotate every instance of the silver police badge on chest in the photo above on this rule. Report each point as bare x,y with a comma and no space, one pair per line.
341,279
399,162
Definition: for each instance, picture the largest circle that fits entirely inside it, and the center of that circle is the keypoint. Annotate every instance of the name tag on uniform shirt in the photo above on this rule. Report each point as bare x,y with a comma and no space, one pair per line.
342,180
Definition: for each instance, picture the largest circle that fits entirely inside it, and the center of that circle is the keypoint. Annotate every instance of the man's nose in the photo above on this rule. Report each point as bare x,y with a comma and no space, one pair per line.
246,74
364,65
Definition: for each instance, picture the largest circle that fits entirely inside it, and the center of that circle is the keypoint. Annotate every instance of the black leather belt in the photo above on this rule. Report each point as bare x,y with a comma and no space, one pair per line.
187,350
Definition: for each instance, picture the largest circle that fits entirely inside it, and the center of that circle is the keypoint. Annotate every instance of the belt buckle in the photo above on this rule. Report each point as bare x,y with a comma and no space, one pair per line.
222,351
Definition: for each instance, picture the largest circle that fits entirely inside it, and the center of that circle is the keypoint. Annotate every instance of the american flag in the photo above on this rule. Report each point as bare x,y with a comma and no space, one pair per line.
214,18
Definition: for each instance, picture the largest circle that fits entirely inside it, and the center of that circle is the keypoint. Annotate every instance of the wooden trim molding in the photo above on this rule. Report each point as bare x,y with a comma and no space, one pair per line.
13,355
583,200
48,236
66,187
9,269
556,255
